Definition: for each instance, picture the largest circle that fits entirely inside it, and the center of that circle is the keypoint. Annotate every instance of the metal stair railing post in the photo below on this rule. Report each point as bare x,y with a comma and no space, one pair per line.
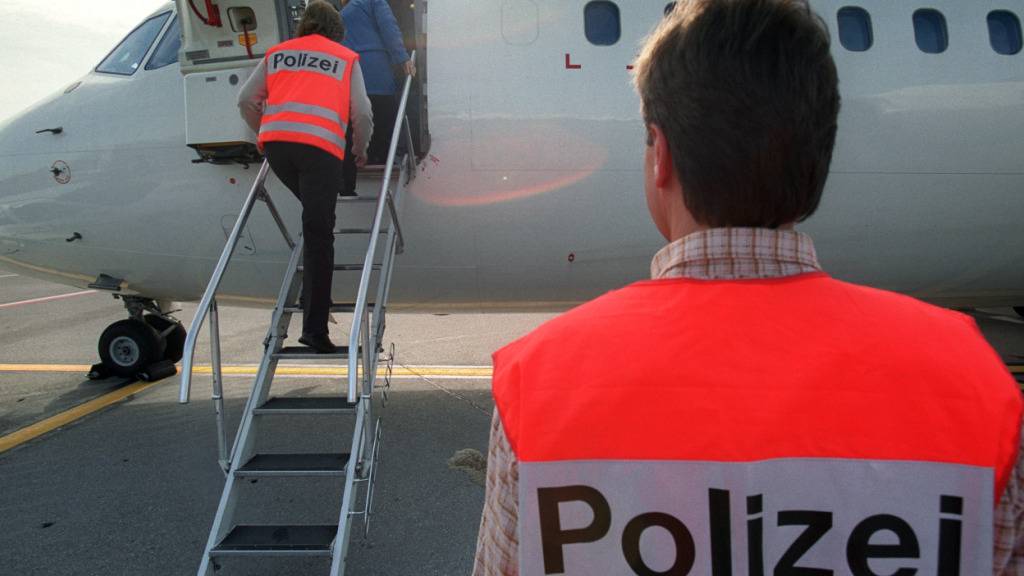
363,334
218,387
385,199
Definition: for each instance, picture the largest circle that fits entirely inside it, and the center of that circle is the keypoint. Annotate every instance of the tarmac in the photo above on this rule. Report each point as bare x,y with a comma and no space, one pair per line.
113,477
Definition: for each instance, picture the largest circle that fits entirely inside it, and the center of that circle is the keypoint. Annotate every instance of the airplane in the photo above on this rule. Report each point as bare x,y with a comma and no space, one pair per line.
530,144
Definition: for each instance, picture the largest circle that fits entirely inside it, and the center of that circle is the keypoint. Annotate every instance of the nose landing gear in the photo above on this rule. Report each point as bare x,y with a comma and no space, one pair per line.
144,346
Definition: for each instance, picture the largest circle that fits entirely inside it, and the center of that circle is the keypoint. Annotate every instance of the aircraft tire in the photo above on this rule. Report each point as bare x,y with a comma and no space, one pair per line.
128,346
175,340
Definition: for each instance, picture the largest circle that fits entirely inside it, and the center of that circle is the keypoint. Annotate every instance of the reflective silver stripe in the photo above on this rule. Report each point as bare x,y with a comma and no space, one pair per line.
306,61
310,109
302,128
699,518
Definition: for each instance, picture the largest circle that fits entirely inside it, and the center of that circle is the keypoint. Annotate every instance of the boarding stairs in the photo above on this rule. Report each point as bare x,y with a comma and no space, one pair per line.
367,368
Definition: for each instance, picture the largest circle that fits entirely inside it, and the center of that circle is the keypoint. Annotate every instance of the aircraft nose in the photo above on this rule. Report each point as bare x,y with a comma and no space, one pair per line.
27,159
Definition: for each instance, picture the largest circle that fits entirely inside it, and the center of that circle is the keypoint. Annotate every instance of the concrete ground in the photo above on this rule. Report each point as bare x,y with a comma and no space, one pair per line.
132,489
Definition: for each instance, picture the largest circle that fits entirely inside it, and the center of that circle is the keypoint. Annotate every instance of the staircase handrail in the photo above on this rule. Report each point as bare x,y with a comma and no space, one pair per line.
384,200
214,284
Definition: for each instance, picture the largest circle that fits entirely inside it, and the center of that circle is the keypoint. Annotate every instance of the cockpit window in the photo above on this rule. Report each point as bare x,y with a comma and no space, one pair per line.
127,57
166,52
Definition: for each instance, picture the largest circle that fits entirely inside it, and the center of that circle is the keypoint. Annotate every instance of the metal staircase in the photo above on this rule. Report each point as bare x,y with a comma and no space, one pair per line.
245,461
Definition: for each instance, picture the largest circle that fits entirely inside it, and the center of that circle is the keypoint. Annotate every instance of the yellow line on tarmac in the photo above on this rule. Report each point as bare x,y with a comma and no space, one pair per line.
44,368
64,418
424,371
286,370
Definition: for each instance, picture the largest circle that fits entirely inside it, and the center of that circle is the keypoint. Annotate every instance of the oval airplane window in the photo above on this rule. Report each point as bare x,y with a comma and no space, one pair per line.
930,31
166,52
601,22
855,33
127,57
1004,32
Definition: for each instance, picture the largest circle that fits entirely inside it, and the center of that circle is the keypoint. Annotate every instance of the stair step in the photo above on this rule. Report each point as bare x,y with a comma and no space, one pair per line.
357,199
266,465
380,169
346,267
345,231
335,308
306,405
307,353
266,540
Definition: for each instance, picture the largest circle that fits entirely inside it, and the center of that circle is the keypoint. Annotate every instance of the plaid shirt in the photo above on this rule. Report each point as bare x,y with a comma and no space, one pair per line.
727,254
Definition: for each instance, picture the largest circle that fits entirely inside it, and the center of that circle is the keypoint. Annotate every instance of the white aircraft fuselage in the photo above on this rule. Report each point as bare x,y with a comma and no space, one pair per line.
531,195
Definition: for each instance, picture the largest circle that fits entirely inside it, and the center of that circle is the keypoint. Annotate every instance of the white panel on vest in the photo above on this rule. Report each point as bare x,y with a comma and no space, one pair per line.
788,517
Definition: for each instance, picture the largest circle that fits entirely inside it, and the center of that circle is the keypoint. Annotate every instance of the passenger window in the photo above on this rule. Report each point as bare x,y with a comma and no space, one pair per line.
855,33
669,8
930,31
1004,32
166,52
126,58
601,22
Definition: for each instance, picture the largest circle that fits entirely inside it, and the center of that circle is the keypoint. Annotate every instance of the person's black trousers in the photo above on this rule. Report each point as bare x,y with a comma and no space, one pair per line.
316,177
385,108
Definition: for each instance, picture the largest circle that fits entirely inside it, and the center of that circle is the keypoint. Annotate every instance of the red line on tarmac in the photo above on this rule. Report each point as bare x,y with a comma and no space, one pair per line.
46,299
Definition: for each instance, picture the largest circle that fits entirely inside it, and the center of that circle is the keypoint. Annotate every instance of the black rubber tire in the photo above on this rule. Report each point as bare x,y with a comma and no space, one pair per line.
1019,310
127,346
175,348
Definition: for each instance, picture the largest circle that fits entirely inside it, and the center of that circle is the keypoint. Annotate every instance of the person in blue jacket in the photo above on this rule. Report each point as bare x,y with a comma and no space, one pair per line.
373,32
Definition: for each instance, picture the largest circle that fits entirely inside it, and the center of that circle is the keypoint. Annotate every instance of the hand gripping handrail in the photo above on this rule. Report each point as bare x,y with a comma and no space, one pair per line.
384,200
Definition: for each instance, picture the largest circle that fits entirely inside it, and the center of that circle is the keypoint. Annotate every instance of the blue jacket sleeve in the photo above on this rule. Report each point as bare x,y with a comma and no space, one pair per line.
390,34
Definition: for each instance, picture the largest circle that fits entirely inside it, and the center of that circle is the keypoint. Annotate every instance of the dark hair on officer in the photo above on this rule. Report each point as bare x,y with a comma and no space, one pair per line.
747,96
321,18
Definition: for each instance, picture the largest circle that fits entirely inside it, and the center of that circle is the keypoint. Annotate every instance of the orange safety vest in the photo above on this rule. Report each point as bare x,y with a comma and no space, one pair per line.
309,90
789,426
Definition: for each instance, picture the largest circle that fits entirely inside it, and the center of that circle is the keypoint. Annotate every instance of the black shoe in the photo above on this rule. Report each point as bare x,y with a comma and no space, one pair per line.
319,342
348,194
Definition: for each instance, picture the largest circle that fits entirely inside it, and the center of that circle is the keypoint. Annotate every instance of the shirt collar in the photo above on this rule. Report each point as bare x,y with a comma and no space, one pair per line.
736,253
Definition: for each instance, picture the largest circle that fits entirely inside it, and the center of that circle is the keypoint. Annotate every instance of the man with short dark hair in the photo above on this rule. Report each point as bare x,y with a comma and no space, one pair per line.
743,412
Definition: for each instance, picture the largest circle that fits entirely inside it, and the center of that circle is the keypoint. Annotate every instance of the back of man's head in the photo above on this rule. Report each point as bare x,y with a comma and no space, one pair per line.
747,96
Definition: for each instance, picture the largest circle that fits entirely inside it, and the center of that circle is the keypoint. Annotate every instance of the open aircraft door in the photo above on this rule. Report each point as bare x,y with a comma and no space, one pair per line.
222,41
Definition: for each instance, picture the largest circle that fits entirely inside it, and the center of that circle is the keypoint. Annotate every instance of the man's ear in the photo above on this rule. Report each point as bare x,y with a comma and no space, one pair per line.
663,168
